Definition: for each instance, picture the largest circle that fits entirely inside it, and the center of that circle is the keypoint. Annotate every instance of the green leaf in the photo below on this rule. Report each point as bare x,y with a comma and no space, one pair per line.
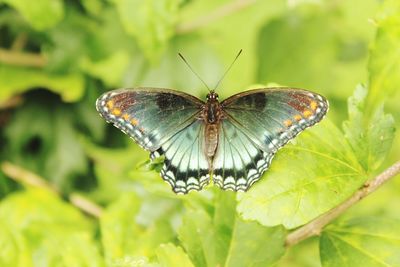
41,14
127,233
171,256
70,86
223,239
384,60
42,230
363,242
305,179
50,147
197,235
372,142
255,245
151,22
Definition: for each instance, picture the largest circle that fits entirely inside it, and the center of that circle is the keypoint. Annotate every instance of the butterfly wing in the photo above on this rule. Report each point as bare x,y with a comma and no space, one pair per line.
149,116
164,122
185,166
261,121
239,162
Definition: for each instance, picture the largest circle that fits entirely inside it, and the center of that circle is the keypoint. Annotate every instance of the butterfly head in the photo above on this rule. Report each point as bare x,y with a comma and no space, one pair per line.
212,96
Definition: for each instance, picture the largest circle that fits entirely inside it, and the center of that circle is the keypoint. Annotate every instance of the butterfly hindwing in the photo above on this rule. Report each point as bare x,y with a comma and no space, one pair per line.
185,166
239,162
272,117
149,116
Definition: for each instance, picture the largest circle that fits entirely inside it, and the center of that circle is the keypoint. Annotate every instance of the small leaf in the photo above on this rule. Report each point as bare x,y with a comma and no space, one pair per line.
171,256
41,14
364,242
372,142
305,180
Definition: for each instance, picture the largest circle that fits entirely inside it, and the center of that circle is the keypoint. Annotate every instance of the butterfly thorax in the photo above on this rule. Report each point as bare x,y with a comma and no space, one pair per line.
212,115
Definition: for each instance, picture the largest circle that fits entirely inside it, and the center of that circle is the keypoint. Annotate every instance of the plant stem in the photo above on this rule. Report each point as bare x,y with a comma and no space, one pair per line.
28,178
315,227
222,11
24,59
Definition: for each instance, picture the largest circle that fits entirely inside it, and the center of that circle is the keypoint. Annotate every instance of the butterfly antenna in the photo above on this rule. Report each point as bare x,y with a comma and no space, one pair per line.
195,73
226,72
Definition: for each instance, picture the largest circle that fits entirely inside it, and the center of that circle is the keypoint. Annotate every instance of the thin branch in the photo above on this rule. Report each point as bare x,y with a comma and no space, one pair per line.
22,58
315,227
28,178
214,15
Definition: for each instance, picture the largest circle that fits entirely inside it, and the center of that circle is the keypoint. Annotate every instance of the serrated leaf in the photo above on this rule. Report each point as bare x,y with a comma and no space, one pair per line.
364,242
41,14
305,179
171,256
151,22
70,87
384,60
370,138
39,234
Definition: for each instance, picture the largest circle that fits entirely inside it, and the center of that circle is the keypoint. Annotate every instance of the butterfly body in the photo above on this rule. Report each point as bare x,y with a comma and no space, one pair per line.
232,142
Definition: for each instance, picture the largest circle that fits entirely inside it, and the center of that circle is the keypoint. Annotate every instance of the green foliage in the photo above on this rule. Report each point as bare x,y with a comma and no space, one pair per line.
384,67
57,57
295,190
371,143
361,241
41,14
32,225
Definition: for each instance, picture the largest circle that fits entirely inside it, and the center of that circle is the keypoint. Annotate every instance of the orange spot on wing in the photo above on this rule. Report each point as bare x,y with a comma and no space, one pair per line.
134,122
110,104
297,117
313,105
288,123
307,113
116,111
125,116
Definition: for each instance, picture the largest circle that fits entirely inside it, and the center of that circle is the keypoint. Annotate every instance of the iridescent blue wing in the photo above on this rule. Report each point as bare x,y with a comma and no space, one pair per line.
262,121
164,122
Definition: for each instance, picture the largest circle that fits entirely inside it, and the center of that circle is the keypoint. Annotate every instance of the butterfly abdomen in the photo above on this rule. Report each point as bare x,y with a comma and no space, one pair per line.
212,116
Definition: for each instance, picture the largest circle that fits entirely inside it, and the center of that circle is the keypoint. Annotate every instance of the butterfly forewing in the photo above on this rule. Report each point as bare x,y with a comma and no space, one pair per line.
272,117
149,116
257,123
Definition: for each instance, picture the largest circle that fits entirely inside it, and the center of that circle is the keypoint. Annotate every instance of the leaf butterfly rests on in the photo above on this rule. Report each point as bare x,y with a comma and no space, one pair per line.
231,142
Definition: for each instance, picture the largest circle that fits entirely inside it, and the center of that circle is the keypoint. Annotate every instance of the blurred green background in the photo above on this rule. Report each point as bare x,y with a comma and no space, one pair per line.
75,191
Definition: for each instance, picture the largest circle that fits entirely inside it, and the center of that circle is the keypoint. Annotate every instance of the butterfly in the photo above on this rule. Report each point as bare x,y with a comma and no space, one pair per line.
231,142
